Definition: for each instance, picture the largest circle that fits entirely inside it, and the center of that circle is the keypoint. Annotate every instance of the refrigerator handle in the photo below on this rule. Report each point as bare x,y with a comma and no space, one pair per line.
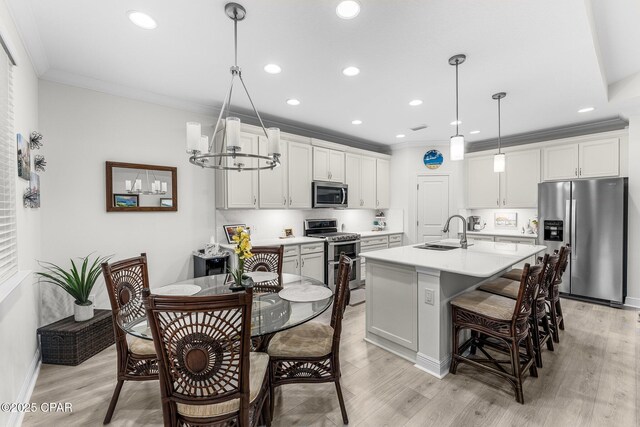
567,222
574,216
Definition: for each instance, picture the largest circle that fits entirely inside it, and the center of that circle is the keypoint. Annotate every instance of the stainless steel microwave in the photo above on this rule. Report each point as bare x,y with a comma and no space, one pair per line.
330,195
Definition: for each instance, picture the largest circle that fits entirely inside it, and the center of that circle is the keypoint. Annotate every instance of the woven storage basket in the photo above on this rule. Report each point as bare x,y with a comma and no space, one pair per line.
67,342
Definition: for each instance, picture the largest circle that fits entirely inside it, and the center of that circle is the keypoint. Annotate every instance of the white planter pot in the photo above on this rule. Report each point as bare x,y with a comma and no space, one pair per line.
82,312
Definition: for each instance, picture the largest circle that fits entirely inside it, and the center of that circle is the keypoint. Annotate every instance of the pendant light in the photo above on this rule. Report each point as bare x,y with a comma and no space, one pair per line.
456,146
499,160
201,151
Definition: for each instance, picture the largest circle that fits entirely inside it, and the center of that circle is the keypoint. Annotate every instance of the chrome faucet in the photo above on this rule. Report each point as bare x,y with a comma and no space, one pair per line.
463,240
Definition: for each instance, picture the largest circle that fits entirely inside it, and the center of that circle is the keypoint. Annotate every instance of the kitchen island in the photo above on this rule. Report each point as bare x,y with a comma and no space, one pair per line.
408,290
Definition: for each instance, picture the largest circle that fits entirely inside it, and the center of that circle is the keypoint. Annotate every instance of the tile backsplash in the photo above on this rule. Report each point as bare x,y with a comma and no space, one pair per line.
487,216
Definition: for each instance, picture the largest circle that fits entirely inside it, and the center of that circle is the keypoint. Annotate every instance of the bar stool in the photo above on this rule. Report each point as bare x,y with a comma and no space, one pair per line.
540,324
553,300
501,324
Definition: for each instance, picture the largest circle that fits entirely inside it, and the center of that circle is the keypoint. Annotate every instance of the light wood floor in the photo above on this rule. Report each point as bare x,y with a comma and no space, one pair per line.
591,379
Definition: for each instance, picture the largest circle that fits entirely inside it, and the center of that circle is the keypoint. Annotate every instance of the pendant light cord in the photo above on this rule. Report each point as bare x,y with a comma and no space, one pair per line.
235,38
499,128
457,121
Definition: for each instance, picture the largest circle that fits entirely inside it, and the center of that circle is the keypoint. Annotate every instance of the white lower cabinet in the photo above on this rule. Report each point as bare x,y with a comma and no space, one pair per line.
312,265
291,265
531,260
376,243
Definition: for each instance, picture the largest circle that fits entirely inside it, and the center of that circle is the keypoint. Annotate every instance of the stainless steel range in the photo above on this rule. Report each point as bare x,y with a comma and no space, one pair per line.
336,243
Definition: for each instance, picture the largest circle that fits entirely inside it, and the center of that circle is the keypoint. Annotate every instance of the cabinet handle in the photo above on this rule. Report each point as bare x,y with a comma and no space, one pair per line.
254,200
297,264
498,202
377,202
329,175
504,202
303,262
576,172
580,172
284,202
290,201
361,202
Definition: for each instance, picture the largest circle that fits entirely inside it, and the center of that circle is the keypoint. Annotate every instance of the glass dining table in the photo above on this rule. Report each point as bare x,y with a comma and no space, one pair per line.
270,313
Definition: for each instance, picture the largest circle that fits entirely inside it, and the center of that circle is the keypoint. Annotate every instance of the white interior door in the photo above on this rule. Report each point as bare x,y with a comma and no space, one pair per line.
433,207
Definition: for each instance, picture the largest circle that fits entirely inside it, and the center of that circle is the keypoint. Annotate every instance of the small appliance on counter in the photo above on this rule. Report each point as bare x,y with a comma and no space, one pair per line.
380,223
473,223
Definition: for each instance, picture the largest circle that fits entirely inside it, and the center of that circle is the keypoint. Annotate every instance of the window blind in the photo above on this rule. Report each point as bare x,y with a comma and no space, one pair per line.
8,173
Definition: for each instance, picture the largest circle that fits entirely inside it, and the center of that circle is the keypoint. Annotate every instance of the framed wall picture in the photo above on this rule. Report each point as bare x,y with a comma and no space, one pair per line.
433,159
506,220
24,158
230,230
125,200
166,203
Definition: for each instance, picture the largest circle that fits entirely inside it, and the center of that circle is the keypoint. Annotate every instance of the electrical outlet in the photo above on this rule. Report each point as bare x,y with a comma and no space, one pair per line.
428,296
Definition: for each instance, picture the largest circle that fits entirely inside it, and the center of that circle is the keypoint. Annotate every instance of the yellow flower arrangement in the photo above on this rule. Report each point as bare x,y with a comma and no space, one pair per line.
243,251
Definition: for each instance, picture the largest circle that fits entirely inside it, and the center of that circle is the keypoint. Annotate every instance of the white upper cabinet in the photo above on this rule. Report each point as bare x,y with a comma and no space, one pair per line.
274,191
560,162
599,158
300,163
352,179
519,185
368,182
328,165
590,159
383,181
239,190
483,184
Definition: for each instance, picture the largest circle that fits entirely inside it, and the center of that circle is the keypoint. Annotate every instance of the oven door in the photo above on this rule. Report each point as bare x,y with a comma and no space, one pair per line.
350,249
330,195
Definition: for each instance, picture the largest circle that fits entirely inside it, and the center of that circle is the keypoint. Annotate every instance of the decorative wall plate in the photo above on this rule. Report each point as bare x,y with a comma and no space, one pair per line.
433,159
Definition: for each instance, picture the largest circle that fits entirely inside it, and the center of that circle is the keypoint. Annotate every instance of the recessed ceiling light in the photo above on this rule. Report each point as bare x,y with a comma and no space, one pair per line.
586,110
348,9
142,20
356,122
473,132
293,101
351,71
456,122
415,102
400,135
272,68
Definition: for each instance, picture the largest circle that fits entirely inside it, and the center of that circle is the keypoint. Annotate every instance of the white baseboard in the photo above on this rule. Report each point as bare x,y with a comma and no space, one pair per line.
437,368
15,420
632,302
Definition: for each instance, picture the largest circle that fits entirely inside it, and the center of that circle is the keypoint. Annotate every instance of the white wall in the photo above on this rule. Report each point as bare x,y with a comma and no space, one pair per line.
633,255
82,129
406,165
19,311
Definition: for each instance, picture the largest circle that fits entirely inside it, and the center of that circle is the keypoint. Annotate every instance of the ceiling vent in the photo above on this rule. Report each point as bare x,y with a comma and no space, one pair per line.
419,127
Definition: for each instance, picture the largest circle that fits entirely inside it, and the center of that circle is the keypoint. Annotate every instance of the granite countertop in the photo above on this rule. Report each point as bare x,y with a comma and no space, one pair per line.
504,233
481,259
276,242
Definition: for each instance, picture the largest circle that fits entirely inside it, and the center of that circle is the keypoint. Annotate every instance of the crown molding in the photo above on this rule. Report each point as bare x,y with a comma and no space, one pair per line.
29,34
414,144
247,116
560,132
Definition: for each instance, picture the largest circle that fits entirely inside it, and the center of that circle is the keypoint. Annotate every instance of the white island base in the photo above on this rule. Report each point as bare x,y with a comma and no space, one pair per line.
409,289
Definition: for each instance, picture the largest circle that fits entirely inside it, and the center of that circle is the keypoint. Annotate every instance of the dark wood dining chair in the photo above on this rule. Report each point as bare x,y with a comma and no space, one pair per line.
310,353
497,323
136,357
267,259
208,375
541,331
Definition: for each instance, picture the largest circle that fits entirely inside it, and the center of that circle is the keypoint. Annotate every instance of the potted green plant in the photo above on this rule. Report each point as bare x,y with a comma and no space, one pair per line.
78,282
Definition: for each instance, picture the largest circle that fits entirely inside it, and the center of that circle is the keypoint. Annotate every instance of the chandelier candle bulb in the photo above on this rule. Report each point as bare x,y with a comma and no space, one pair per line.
203,145
233,133
127,185
157,186
193,136
164,187
274,141
138,185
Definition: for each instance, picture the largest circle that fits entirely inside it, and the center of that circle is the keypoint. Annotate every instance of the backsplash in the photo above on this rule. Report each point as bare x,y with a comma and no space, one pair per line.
488,215
268,223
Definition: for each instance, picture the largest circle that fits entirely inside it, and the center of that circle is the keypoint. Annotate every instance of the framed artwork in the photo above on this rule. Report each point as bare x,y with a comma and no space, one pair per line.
433,159
506,220
125,200
24,158
166,203
230,230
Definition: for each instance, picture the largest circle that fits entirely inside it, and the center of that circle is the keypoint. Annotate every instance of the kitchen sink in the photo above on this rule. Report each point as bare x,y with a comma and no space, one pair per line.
437,247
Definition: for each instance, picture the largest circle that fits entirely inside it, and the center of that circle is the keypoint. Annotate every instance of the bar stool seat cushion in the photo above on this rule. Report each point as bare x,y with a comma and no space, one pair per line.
514,274
486,304
311,339
502,286
258,366
141,347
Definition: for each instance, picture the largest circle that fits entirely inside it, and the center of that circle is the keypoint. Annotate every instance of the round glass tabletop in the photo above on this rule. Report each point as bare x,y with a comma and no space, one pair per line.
269,314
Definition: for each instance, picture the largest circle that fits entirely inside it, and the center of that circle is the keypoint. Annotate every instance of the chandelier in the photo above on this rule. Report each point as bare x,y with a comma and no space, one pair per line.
154,186
202,151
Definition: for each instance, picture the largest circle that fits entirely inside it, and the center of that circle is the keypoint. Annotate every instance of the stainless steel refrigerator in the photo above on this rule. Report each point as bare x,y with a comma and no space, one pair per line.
591,215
